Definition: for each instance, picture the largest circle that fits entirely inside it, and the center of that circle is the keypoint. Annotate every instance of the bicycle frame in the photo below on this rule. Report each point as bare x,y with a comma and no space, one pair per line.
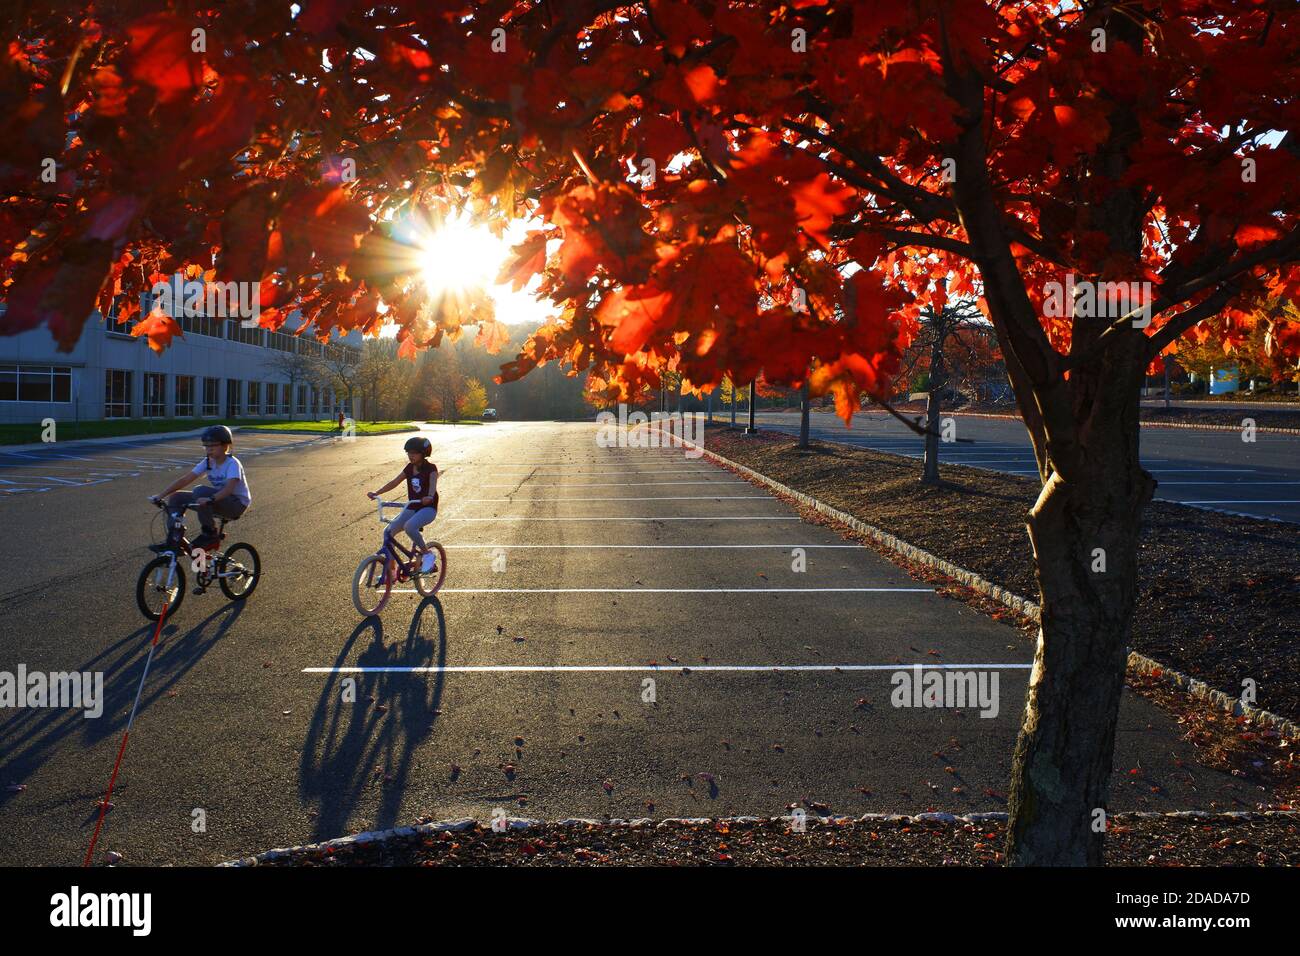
209,560
404,556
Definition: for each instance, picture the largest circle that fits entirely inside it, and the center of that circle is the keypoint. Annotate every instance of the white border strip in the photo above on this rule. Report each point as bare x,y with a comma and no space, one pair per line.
290,853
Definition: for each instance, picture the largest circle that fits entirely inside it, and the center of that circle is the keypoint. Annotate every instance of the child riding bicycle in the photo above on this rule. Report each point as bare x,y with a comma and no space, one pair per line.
421,477
226,492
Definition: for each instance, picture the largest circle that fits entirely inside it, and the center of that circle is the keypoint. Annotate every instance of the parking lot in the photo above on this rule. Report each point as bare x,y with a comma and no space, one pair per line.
622,633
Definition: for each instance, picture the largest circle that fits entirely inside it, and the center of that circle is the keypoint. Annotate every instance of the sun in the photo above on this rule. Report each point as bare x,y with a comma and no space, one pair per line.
460,256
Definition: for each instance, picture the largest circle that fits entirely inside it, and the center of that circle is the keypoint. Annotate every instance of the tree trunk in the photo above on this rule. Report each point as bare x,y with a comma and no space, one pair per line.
938,377
804,404
1084,533
733,404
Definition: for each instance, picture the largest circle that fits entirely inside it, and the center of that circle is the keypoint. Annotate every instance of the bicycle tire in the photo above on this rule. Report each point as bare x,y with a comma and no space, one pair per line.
143,584
422,581
363,583
254,575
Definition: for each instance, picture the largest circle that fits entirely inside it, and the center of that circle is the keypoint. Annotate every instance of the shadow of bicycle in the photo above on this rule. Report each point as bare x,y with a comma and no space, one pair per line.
368,725
31,737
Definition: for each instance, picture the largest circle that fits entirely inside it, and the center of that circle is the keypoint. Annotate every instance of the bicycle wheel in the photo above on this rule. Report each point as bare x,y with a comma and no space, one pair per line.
238,571
152,592
372,584
428,584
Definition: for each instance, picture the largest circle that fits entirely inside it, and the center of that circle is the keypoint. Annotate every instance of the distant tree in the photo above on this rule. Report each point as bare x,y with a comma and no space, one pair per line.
954,348
384,379
296,369
341,370
474,399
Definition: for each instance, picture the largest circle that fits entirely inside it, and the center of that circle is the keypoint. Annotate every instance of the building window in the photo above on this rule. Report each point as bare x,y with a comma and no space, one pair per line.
232,397
285,399
184,395
211,398
200,325
302,399
254,397
35,383
280,341
117,393
236,332
268,401
155,395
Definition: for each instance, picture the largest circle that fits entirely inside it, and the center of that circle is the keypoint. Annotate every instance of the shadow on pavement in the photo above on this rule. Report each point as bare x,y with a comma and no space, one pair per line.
367,726
32,736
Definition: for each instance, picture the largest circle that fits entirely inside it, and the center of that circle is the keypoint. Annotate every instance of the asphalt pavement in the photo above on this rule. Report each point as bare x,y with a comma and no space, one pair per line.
622,632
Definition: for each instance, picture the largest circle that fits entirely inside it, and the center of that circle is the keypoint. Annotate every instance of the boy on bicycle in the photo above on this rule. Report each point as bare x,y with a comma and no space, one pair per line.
226,492
421,477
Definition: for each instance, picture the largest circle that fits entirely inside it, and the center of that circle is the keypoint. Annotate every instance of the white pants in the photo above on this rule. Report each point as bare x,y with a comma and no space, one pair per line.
411,521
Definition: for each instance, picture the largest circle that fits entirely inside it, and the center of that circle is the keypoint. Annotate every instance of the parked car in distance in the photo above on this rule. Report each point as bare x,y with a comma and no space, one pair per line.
489,414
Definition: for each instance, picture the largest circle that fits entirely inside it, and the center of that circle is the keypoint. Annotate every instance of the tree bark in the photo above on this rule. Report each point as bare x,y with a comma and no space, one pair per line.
1084,535
938,378
805,404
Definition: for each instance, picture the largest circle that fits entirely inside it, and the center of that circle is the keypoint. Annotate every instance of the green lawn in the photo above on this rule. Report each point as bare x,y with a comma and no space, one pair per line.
121,427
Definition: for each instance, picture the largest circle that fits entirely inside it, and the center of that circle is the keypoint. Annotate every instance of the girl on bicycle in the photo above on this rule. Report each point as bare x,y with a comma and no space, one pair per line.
421,477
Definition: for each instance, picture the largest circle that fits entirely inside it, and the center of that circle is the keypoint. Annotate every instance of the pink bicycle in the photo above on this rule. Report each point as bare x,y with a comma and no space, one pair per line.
394,564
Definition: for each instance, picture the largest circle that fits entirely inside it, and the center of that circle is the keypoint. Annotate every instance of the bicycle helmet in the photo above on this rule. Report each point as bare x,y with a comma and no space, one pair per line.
217,435
420,444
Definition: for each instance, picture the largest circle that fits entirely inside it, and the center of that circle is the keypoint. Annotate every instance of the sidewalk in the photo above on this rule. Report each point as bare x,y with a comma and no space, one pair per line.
109,440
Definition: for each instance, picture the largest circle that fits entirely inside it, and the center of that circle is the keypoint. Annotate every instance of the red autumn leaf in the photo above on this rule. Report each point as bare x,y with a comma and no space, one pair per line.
159,330
526,260
161,55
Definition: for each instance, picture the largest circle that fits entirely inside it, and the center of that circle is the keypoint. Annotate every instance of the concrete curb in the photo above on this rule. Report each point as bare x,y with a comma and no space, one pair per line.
1138,663
112,439
1259,429
880,819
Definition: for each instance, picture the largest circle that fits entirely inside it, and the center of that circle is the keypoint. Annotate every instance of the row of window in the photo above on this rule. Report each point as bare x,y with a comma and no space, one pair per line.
242,398
234,330
45,383
35,383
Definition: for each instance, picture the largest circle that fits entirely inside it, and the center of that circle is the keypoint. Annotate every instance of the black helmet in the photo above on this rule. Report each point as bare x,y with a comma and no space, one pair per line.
217,435
420,444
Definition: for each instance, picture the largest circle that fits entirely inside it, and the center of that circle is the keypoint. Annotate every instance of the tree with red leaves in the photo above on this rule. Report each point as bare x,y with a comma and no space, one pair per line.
719,189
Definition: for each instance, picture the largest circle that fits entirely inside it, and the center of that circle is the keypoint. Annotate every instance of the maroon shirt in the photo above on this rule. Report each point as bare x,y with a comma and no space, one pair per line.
418,482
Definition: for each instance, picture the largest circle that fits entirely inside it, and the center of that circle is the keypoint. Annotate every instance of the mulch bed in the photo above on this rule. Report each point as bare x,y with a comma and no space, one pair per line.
1130,842
1219,595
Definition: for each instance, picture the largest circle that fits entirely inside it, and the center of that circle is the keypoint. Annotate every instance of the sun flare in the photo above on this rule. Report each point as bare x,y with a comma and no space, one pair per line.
460,256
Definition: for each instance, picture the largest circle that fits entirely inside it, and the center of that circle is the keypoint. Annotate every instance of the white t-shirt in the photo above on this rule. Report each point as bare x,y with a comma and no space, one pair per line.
218,475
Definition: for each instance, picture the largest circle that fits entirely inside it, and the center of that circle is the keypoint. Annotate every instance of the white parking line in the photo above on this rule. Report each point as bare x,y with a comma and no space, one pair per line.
601,474
626,484
588,518
627,498
1247,483
673,591
625,668
1244,501
640,547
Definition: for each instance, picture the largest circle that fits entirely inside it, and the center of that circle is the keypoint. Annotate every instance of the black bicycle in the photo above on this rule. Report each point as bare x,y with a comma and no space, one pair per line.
161,587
